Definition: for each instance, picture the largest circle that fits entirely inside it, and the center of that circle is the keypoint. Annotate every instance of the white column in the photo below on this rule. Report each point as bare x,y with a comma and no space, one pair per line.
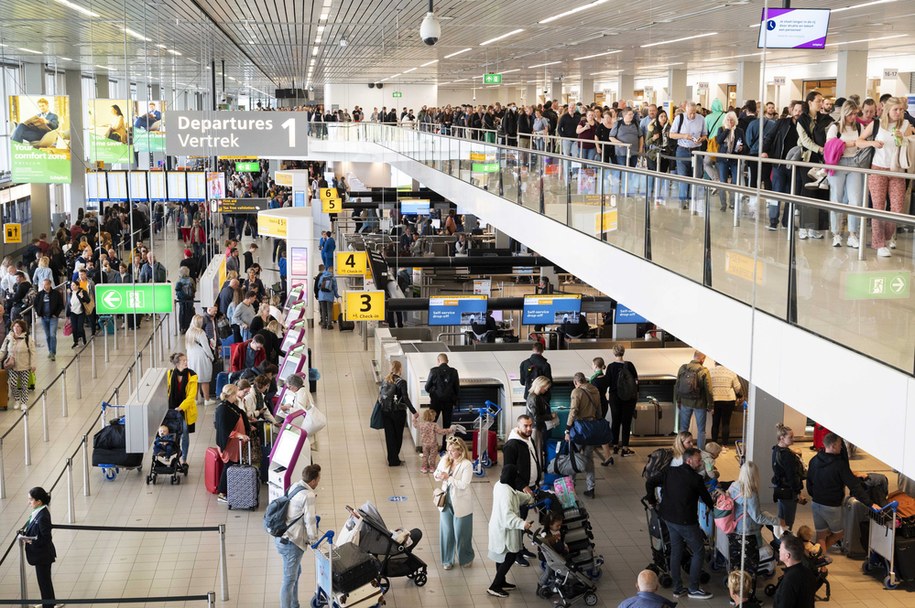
676,86
747,81
851,73
586,90
531,94
625,85
765,411
556,89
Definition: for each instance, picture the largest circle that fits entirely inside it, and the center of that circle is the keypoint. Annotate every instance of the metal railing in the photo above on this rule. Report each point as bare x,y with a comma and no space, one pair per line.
615,205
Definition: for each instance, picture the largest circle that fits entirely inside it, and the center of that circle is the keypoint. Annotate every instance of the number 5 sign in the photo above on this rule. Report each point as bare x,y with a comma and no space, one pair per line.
349,263
330,201
365,306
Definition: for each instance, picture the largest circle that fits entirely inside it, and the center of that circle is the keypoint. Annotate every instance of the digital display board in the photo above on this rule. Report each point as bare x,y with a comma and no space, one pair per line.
414,206
137,183
96,186
196,186
624,315
157,190
794,28
457,310
117,186
177,185
550,309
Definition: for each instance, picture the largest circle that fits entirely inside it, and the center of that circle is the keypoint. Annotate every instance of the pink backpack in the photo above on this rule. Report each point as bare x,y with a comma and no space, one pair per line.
724,513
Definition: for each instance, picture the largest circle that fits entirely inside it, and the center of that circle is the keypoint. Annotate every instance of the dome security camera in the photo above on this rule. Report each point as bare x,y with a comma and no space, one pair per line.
430,30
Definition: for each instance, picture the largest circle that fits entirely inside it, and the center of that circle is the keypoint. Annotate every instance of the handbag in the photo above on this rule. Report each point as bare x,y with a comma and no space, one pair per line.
783,494
440,498
590,432
315,420
568,461
68,328
375,421
864,157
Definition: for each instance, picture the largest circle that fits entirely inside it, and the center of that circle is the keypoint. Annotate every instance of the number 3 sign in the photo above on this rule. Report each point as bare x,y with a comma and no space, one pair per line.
365,306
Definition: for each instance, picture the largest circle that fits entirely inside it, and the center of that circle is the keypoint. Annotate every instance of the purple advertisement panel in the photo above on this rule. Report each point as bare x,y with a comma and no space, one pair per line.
298,262
794,28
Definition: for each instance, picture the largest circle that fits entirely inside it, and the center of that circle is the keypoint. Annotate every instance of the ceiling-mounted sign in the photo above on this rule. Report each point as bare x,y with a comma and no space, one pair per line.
702,86
890,73
397,94
236,133
492,78
793,28
779,81
243,205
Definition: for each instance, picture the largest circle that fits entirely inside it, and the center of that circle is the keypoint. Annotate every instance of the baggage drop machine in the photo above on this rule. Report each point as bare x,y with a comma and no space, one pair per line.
288,449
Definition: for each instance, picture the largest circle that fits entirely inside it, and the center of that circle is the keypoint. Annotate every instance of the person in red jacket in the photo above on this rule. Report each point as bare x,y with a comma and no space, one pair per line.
248,354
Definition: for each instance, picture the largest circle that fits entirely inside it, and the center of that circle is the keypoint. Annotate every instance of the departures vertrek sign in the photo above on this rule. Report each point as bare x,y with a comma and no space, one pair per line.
236,133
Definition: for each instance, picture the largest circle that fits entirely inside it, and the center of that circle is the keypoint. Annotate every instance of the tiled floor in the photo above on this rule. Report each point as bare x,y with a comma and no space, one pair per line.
125,564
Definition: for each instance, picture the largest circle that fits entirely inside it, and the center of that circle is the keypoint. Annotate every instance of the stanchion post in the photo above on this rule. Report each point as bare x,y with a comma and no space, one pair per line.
139,366
105,339
23,579
211,599
2,472
114,320
70,506
223,566
92,348
63,395
25,437
130,380
79,381
44,415
85,451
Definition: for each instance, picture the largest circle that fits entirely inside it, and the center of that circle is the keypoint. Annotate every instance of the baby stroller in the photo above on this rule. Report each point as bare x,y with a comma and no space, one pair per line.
817,564
660,548
568,579
394,549
168,463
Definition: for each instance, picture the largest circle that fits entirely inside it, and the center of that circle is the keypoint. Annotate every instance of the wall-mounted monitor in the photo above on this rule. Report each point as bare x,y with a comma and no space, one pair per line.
624,315
117,185
136,181
96,186
196,186
177,185
550,309
457,310
414,207
794,28
157,191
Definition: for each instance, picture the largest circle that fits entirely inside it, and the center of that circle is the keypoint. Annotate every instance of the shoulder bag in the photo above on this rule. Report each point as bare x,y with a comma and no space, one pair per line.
315,420
9,360
568,460
375,420
440,495
595,431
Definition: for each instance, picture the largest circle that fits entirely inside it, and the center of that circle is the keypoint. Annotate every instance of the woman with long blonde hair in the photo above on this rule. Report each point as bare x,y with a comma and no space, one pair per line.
394,402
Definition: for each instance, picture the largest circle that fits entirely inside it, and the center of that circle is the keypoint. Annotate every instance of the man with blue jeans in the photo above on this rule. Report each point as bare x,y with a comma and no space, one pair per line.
693,395
49,304
689,130
302,532
681,490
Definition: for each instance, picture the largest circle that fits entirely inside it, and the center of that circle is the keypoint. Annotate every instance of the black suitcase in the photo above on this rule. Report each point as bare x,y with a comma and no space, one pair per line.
905,558
345,325
352,568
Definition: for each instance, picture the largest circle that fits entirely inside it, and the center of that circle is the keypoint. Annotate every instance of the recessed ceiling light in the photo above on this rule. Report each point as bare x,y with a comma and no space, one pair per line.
428,63
597,55
572,11
314,51
135,34
540,65
502,37
705,35
868,40
458,53
410,70
510,71
161,46
173,52
77,8
461,80
65,59
29,50
324,16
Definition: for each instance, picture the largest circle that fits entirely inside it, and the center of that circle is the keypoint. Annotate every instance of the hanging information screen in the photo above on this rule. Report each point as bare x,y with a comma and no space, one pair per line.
177,185
457,310
196,186
550,309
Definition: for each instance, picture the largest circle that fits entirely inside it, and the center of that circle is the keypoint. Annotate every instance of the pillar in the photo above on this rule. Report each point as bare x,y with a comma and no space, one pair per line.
74,81
556,89
586,90
155,92
851,73
765,411
531,94
676,86
625,86
747,81
102,88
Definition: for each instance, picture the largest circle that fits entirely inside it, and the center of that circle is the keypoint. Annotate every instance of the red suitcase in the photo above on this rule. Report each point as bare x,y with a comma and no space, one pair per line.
492,446
212,470
819,433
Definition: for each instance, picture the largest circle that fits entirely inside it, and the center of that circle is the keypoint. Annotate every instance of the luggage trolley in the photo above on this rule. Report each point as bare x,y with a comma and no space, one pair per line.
882,543
481,425
366,596
112,460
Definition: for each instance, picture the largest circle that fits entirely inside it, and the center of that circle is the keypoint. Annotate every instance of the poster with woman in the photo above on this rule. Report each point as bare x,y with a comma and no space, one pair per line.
40,139
109,131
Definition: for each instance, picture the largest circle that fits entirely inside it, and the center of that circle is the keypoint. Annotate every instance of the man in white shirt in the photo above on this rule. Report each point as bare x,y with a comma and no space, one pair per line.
302,532
690,132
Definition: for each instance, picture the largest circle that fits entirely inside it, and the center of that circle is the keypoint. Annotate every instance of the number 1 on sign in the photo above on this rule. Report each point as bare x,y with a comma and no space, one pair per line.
290,126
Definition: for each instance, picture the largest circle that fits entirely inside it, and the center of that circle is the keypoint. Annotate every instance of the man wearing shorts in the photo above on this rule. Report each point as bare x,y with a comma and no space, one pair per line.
827,477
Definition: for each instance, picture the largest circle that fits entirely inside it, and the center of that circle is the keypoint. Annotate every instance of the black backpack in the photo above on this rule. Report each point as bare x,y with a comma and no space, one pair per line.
658,460
688,383
275,517
441,385
627,388
388,396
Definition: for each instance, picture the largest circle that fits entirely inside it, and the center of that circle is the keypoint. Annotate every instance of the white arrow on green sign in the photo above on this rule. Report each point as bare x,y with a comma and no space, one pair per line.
145,299
492,78
880,285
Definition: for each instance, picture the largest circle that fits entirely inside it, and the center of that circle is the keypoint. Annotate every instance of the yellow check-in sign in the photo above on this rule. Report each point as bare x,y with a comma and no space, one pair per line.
364,306
350,263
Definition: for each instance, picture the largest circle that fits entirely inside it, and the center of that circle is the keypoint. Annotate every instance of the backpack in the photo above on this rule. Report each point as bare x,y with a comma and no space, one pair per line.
223,328
387,396
185,289
159,273
626,387
275,517
326,284
534,371
724,513
658,460
688,383
441,386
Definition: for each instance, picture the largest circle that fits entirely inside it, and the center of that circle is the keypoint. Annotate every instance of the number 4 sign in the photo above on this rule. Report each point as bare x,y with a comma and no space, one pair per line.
365,306
349,263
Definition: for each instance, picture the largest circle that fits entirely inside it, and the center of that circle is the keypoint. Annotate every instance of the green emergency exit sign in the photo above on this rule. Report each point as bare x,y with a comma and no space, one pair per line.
484,167
397,94
145,299
251,166
492,78
880,285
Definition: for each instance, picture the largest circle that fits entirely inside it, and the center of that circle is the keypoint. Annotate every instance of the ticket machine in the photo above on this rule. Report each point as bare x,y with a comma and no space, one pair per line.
295,334
296,312
298,293
291,451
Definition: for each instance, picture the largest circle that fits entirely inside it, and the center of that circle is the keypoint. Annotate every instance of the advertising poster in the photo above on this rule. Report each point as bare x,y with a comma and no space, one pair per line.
109,131
40,139
216,185
148,126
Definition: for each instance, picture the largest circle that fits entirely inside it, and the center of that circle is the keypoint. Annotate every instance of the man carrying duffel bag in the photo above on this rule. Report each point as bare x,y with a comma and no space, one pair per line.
585,413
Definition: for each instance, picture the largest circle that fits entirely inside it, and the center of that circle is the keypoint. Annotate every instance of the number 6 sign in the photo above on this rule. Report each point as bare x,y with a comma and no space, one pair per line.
364,306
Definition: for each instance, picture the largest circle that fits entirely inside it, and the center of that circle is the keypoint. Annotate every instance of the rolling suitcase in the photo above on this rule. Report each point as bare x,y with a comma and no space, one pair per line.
352,568
335,310
646,422
345,325
904,554
212,470
266,447
853,514
492,446
242,484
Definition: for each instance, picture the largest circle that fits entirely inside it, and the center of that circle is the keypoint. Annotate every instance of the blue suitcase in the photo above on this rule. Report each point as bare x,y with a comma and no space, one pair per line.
222,378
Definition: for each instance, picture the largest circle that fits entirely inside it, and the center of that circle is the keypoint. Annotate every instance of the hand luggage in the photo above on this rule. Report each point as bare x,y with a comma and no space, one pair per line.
569,461
335,310
853,514
212,470
590,432
266,435
345,325
352,568
242,484
905,558
492,446
878,486
222,378
647,420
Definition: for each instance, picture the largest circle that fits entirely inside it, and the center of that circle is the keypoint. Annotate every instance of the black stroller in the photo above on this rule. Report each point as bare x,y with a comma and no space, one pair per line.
394,549
818,564
660,548
166,456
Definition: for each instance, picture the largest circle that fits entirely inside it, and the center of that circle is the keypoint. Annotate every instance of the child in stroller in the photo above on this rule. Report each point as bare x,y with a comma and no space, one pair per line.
814,559
561,575
552,536
166,456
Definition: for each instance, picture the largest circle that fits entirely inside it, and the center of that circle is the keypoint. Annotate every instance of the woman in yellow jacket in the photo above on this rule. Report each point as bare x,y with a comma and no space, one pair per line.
182,395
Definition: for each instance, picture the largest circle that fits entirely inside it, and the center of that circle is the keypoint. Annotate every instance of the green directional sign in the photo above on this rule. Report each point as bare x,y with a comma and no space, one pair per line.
398,94
248,167
151,298
484,167
878,285
492,78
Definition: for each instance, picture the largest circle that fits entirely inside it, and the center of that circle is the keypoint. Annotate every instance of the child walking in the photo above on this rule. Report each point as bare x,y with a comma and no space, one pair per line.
428,433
